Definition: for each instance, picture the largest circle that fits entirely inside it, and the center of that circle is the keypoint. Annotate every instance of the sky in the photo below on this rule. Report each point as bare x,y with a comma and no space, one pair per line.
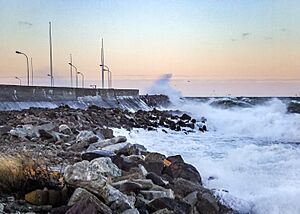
238,47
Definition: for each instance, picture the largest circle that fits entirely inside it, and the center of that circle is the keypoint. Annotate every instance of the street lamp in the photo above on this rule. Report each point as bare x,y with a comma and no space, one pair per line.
18,52
19,80
76,73
109,76
51,80
82,78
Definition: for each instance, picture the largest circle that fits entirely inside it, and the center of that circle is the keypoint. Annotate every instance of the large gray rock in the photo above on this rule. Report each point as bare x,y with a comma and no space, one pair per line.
120,201
153,194
127,186
65,129
84,174
207,203
87,136
106,167
103,143
131,211
116,147
81,193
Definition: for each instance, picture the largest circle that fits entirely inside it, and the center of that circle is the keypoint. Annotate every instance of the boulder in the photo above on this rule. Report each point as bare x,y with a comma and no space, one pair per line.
65,129
170,204
183,187
103,143
124,163
131,211
84,174
153,194
156,179
84,206
183,170
105,166
116,147
87,136
163,211
131,149
185,117
127,186
120,201
207,204
91,155
81,193
37,197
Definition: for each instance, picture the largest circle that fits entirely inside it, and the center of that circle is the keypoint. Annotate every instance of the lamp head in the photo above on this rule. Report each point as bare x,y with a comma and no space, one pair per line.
70,63
18,52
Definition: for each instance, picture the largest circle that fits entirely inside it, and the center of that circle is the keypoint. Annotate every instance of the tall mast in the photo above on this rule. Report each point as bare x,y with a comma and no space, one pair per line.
102,63
50,43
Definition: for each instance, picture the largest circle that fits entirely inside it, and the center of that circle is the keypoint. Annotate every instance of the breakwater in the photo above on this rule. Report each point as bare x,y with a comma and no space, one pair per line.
14,97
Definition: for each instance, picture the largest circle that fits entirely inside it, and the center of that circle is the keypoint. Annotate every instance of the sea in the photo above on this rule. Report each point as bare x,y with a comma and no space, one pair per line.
250,155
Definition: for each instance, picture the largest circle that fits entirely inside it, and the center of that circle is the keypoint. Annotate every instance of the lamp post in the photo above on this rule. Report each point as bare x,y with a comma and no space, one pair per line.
82,78
19,80
51,80
109,76
18,52
71,72
76,73
31,71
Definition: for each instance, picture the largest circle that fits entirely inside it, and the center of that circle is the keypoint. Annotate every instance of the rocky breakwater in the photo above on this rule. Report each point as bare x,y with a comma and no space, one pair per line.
69,162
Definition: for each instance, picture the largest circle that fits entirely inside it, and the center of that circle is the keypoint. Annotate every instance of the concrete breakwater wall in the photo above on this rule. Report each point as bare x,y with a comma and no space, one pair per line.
14,97
13,93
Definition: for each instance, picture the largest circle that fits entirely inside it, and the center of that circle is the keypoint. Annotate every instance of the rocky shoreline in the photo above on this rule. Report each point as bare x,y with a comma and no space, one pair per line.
67,160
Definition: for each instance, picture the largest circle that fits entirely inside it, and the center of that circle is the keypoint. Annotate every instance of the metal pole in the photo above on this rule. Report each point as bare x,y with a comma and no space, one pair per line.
31,72
50,43
102,63
18,52
71,74
20,81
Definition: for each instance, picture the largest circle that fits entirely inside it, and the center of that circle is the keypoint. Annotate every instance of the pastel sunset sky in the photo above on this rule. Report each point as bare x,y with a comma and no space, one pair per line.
238,47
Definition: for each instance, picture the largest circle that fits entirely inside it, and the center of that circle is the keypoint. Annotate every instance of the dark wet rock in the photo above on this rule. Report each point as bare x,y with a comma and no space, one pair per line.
293,107
106,133
60,210
45,135
170,204
65,129
127,186
131,149
185,117
207,204
131,211
163,211
4,130
183,170
81,193
156,179
84,206
183,187
91,155
123,162
175,158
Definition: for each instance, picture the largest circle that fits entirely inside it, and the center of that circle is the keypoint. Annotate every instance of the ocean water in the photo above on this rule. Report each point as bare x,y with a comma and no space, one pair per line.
250,156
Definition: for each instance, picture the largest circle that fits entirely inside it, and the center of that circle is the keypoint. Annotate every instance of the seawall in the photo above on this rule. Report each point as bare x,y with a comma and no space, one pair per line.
13,97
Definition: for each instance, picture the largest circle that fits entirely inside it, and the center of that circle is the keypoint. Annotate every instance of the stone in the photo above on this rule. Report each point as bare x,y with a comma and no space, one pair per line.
183,187
163,211
154,157
123,162
185,117
81,193
191,198
131,149
153,194
84,206
131,211
116,147
105,166
91,155
54,197
108,142
37,197
65,129
4,130
45,134
87,136
155,167
127,186
183,170
147,184
175,158
107,133
207,204
170,204
156,179
86,175
120,200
